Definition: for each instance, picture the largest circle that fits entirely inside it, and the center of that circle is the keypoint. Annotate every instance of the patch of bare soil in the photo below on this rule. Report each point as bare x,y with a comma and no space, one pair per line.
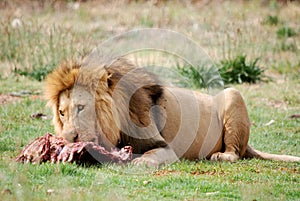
5,98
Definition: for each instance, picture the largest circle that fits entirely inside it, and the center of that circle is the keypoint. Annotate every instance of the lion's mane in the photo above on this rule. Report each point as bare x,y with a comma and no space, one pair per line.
104,82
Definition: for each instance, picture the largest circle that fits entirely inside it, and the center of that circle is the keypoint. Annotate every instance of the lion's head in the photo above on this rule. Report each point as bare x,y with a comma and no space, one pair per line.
90,104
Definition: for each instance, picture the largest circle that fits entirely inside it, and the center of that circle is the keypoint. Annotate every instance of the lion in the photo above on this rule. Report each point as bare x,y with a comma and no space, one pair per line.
115,104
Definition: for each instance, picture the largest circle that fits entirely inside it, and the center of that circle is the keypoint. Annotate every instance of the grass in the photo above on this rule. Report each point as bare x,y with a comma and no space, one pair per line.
199,76
35,50
224,30
272,20
229,71
286,32
238,70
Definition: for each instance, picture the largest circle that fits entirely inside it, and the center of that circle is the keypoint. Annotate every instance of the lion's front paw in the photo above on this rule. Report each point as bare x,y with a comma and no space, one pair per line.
149,162
227,156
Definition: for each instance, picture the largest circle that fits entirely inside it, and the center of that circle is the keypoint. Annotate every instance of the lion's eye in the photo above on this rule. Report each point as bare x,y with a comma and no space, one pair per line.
80,108
61,113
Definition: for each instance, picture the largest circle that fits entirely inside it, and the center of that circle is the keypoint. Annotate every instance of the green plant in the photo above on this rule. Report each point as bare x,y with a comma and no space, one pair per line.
199,76
238,70
286,32
271,20
234,71
36,73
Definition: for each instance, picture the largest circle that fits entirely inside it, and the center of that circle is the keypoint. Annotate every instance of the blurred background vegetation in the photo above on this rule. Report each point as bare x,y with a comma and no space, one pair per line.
247,40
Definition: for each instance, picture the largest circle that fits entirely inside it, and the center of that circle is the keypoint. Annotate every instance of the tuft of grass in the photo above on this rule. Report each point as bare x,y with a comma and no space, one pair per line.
272,20
286,32
238,70
199,76
231,71
38,74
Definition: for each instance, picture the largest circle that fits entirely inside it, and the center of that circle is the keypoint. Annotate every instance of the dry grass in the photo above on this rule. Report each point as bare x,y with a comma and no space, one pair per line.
224,30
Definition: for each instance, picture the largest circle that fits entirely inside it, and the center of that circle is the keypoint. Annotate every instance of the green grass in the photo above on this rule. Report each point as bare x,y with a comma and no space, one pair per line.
286,32
230,71
34,50
272,20
199,76
224,30
239,70
204,180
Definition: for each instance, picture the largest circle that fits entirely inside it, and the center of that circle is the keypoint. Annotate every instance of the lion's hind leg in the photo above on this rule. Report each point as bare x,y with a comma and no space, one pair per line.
236,128
233,142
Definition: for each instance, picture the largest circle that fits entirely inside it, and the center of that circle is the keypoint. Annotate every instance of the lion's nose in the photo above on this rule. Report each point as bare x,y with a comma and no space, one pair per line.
70,135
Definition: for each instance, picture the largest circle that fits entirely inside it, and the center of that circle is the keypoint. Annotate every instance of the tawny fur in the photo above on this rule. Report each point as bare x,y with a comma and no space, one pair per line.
61,79
124,96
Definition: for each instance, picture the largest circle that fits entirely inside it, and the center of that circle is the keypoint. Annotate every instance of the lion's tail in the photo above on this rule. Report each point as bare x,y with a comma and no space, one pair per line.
252,153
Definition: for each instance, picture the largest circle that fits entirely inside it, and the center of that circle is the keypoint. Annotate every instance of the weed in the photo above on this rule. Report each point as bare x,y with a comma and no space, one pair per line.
199,76
286,32
271,20
234,71
237,71
192,76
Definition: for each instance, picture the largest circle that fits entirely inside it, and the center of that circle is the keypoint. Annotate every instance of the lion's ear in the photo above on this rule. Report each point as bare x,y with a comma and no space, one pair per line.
107,78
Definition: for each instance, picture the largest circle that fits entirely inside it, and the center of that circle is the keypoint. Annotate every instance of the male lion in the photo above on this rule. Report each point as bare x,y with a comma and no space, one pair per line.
116,104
